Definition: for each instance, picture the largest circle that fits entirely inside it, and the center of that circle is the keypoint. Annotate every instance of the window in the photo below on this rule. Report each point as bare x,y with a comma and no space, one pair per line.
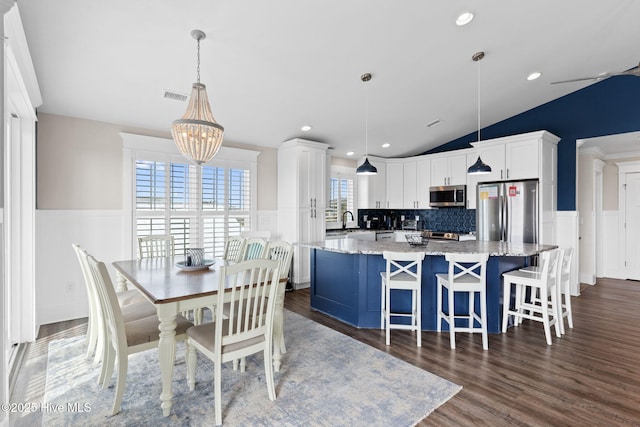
201,206
341,198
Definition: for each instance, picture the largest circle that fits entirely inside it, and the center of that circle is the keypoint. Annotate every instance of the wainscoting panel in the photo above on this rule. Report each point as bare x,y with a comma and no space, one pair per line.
567,237
60,288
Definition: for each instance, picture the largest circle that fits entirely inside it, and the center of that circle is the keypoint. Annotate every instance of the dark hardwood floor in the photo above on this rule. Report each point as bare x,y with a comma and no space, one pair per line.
590,376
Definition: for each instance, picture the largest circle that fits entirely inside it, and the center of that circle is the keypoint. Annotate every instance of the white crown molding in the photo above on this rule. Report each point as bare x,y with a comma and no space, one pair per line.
596,151
627,155
17,42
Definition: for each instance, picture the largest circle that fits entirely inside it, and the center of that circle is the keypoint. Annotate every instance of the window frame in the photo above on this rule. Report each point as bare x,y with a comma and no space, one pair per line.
142,147
343,172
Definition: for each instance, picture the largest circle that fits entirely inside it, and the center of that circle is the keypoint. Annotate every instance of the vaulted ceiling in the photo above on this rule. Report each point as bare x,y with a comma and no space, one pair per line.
273,66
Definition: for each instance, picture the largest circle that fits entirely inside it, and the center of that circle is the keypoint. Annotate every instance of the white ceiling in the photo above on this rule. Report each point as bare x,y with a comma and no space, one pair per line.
272,66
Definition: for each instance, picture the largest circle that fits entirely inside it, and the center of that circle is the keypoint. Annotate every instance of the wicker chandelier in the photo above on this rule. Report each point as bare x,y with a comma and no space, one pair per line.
197,134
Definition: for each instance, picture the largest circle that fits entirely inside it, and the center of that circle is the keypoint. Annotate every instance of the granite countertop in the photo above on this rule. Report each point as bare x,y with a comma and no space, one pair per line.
433,247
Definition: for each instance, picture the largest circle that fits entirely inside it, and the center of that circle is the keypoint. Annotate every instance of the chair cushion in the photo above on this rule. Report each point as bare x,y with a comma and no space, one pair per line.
131,296
205,335
146,330
138,310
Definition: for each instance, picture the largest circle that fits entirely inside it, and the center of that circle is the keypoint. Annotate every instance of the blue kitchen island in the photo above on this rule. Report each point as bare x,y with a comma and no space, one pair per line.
345,277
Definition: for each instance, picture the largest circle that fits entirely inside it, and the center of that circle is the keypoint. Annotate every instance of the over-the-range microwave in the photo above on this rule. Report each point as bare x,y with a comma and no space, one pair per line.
448,196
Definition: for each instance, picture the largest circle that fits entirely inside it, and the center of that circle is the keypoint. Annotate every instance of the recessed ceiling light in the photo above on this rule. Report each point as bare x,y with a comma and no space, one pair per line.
386,145
534,75
464,18
350,153
305,128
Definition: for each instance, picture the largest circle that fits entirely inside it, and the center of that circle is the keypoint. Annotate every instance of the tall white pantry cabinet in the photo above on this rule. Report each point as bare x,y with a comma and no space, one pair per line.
303,167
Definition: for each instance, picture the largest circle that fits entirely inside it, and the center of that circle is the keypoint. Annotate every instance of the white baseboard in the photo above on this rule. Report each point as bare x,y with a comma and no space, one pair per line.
588,279
304,285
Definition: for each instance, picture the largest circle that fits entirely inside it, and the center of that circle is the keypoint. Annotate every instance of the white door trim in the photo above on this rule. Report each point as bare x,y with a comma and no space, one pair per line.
623,169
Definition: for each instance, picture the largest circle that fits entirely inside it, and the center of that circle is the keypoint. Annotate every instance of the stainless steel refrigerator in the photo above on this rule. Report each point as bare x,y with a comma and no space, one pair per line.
507,211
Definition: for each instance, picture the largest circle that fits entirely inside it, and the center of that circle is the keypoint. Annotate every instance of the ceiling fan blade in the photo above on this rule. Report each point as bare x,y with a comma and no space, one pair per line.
582,79
635,71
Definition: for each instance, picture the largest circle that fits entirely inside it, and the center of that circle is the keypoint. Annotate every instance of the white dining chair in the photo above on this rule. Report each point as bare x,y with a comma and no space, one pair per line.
125,338
563,280
252,290
403,273
283,253
95,326
234,248
467,274
542,305
156,246
254,248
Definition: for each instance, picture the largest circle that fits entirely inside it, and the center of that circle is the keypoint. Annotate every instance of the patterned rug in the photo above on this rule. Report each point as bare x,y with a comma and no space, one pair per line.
326,379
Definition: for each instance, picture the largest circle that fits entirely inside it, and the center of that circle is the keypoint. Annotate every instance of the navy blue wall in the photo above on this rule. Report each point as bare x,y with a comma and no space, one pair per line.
608,107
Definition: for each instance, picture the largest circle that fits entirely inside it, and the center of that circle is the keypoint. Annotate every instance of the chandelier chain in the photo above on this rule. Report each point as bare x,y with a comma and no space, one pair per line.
198,68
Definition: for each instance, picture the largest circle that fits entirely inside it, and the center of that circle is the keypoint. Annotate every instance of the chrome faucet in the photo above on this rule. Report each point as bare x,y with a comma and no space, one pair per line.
344,223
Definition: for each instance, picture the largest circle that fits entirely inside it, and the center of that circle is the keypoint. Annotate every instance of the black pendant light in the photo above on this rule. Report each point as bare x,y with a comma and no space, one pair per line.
366,168
479,167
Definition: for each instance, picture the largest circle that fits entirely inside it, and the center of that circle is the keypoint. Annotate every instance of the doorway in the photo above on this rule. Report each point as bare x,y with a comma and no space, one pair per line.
601,180
631,189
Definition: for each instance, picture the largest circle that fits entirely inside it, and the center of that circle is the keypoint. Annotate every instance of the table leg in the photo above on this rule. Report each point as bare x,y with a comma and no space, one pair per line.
121,282
167,353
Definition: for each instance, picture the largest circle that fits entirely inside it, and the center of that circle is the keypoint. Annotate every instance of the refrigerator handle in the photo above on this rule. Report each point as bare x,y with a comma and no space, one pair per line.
536,224
502,228
507,230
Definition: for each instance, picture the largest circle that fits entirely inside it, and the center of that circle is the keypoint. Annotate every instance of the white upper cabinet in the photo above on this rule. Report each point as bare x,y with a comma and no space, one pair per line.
523,159
372,189
313,177
417,178
423,183
449,169
525,156
410,174
395,184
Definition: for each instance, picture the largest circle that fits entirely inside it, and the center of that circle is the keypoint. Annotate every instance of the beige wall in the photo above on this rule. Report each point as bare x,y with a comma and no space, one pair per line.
339,161
79,164
610,187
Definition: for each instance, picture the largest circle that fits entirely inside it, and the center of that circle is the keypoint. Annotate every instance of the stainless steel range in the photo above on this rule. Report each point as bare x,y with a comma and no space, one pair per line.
447,235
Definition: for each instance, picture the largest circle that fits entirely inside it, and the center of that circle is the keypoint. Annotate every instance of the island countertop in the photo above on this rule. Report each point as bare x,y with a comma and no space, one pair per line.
433,247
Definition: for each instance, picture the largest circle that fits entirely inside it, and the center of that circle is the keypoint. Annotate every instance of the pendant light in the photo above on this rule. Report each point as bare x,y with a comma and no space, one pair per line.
366,168
479,167
197,134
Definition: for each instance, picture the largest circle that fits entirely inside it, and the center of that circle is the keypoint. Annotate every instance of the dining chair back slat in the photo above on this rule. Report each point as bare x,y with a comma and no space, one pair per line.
255,248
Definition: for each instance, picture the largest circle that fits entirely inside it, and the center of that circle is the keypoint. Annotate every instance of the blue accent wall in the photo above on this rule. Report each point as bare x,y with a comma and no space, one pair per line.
608,107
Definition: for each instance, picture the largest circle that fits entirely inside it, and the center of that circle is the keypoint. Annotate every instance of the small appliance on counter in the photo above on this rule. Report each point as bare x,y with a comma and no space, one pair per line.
410,224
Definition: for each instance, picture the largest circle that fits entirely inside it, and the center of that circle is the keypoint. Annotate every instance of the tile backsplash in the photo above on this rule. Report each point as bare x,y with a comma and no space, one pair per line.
445,219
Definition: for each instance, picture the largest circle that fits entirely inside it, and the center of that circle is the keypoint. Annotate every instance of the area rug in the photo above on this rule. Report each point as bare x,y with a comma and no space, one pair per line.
326,379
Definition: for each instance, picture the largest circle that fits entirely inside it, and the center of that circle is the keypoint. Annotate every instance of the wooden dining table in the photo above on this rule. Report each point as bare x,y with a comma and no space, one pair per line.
173,290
